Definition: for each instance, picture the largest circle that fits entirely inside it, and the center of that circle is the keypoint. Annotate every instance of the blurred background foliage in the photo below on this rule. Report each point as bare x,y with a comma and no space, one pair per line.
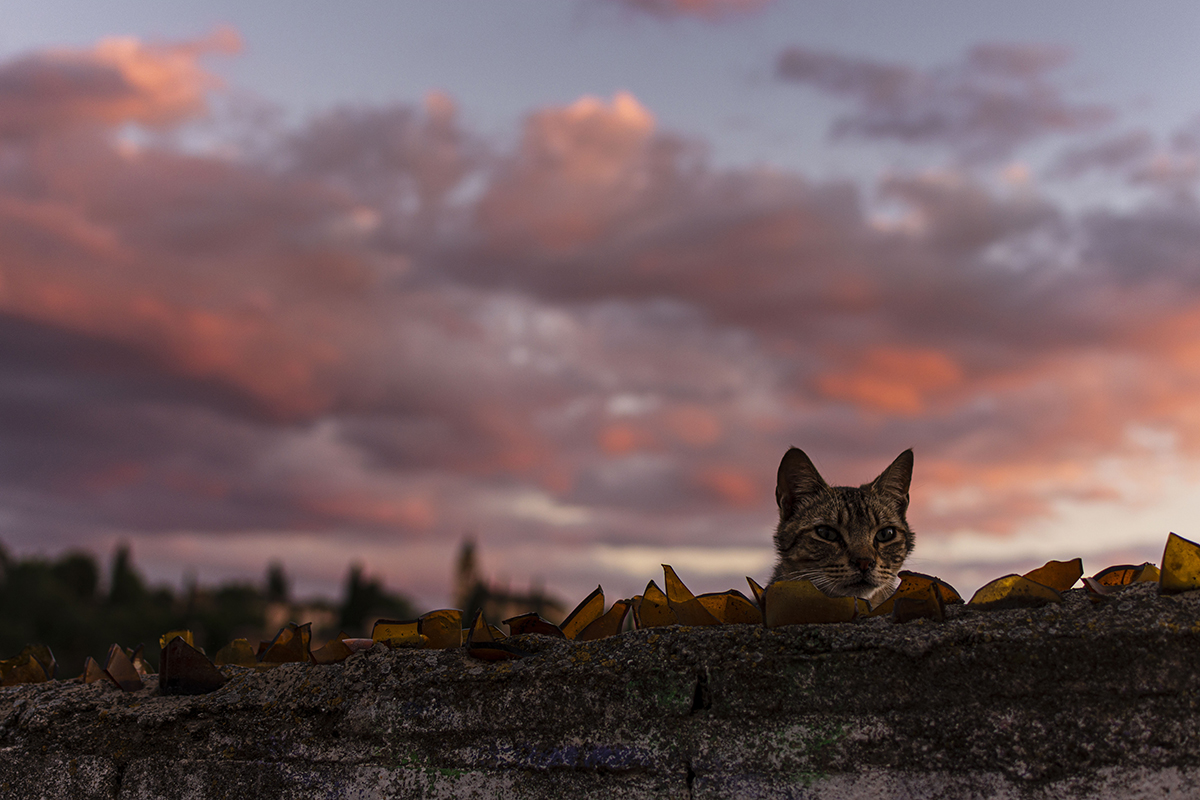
66,605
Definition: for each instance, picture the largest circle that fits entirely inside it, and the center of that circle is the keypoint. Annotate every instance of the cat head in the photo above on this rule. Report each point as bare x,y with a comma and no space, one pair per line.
850,542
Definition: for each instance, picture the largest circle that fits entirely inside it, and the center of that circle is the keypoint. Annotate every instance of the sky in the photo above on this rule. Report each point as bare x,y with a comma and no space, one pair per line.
331,284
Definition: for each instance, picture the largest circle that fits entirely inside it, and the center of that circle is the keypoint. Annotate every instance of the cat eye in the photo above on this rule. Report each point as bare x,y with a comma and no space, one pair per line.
886,535
827,533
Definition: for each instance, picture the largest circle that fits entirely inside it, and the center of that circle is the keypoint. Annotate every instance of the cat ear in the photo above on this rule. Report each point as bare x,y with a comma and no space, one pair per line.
894,480
797,478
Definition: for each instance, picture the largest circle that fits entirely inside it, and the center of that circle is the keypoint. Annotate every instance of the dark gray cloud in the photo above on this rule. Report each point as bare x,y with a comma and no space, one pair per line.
998,97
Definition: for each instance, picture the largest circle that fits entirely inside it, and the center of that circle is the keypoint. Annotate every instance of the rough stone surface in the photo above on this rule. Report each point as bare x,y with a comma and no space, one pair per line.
1063,701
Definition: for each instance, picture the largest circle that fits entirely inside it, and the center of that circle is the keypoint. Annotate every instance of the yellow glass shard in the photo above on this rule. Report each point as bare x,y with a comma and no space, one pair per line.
480,631
169,635
1180,566
731,608
92,671
238,652
398,633
914,585
688,610
120,669
609,624
584,614
653,611
443,628
1058,575
1147,573
1014,591
800,603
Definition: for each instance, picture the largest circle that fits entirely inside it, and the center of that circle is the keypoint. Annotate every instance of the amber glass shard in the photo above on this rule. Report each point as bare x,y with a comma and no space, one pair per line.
756,590
120,669
915,583
800,602
927,605
169,635
532,623
1180,566
46,658
481,642
1058,575
584,614
688,610
238,652
92,671
1096,591
185,670
731,607
137,657
398,633
332,652
1125,574
22,668
653,611
1014,591
609,624
442,628
291,644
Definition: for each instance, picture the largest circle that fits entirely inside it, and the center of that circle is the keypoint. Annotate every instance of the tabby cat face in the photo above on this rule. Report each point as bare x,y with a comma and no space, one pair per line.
850,542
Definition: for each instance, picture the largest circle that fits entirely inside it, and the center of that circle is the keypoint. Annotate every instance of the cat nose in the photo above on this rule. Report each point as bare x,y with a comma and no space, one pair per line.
864,564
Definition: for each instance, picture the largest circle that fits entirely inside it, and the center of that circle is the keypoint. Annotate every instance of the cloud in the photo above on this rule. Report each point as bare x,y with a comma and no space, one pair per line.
711,10
119,80
383,330
998,97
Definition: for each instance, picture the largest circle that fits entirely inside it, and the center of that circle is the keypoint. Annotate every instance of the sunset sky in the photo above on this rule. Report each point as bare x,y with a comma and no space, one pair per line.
327,283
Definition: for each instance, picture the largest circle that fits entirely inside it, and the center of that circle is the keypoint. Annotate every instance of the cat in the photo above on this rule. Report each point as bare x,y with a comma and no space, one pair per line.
849,542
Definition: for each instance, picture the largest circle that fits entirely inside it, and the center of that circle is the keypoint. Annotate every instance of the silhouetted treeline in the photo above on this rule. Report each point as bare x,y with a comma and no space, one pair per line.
61,604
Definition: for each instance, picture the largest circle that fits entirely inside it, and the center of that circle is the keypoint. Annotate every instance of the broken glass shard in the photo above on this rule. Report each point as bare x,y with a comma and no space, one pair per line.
291,644
442,628
927,605
1125,574
185,670
1058,575
1013,591
332,652
800,602
398,633
92,671
120,669
532,623
653,610
584,614
482,642
169,635
688,610
609,624
238,652
1180,566
756,590
731,607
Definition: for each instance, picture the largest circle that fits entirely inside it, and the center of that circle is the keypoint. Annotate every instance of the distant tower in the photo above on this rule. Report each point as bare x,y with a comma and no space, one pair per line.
467,579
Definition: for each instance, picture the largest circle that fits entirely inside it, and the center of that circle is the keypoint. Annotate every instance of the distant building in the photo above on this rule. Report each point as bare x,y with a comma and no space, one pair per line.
473,592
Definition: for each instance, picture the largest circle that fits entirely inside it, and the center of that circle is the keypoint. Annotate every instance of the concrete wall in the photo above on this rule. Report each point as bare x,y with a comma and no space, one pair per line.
1070,700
